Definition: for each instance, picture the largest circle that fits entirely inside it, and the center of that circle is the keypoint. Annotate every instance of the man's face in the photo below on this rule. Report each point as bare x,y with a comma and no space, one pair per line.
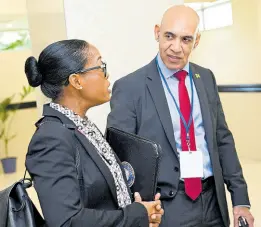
177,37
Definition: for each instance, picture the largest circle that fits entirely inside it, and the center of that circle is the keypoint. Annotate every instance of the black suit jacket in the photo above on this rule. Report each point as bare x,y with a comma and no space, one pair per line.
139,106
51,161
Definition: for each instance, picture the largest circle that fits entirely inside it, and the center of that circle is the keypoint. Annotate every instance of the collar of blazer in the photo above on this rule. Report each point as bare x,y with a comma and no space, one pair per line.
156,89
89,148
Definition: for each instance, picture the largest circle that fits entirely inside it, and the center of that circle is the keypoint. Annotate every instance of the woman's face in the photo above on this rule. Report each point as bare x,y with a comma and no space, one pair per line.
94,82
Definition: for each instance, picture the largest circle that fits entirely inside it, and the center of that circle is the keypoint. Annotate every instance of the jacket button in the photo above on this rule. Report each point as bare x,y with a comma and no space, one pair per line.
171,193
176,168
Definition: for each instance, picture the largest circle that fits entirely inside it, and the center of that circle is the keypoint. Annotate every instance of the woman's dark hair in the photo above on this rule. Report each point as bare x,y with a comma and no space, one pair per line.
56,63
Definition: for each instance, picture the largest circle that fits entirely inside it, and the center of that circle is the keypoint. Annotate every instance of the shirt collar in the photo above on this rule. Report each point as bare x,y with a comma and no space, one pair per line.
167,73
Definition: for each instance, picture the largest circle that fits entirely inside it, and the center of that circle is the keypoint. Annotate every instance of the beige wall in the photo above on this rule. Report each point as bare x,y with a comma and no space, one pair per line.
11,9
12,79
123,31
233,54
45,22
259,22
12,73
222,50
47,25
243,113
23,126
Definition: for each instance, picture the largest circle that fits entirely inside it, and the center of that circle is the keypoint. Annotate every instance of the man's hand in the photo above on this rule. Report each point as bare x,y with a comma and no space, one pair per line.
244,212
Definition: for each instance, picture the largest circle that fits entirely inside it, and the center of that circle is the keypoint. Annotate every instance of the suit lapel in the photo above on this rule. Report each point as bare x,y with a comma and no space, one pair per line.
203,100
158,95
99,162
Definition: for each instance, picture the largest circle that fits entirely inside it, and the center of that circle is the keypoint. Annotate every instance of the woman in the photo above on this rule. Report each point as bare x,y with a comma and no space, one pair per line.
76,175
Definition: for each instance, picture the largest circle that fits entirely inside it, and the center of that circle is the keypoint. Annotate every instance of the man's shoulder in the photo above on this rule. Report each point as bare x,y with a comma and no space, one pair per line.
200,68
206,74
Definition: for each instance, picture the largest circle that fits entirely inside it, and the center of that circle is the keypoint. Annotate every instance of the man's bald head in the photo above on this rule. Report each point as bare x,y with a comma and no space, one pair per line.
181,13
177,35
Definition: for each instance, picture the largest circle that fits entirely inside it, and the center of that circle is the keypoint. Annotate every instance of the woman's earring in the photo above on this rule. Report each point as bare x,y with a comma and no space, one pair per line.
80,88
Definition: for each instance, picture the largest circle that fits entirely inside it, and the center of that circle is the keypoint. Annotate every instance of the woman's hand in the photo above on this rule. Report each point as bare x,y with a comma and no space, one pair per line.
153,208
157,216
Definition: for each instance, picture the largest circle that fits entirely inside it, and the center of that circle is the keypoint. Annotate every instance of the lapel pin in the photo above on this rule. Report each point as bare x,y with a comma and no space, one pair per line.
197,75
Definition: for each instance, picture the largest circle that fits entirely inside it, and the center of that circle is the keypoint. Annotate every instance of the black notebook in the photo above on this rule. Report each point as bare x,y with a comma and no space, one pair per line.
140,159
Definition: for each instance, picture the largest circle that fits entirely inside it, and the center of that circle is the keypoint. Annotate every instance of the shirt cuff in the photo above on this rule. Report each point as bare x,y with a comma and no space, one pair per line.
243,206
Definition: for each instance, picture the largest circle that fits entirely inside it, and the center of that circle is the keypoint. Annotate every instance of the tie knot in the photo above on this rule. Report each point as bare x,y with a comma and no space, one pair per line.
181,75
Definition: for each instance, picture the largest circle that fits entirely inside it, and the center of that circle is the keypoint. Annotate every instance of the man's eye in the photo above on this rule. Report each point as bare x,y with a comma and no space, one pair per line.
168,36
187,39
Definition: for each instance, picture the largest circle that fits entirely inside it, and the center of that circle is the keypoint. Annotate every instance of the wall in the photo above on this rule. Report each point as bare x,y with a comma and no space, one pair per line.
11,9
12,79
23,126
47,25
12,72
259,23
233,54
131,35
122,31
227,50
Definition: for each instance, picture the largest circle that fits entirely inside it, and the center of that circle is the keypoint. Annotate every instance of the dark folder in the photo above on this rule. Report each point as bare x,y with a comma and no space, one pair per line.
140,159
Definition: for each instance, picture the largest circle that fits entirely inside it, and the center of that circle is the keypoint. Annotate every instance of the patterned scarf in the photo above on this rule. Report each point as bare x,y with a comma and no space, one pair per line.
93,134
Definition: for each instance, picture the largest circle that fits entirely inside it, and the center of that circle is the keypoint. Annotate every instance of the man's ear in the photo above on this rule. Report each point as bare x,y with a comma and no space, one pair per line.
75,81
157,32
197,40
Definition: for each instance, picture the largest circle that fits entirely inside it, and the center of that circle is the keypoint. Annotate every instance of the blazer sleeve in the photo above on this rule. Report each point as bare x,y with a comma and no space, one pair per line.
51,163
232,170
123,114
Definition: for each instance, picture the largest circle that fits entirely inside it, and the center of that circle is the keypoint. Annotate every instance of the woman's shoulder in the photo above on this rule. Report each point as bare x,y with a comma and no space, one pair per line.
50,133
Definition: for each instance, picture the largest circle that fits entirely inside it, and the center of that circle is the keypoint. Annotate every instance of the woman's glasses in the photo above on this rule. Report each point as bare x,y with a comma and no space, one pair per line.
103,66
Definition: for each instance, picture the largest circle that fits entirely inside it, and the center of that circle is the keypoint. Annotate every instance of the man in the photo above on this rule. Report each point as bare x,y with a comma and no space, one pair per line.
176,104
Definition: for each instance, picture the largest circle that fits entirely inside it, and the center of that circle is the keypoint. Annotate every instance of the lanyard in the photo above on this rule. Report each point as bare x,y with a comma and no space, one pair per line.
187,126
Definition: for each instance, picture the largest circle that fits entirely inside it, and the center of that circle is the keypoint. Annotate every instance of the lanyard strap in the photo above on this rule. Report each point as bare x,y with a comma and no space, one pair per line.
187,126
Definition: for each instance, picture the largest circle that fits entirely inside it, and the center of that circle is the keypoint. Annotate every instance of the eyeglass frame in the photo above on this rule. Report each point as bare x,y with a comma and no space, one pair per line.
103,66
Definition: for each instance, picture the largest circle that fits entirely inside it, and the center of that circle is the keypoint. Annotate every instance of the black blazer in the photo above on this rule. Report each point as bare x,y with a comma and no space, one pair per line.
51,160
139,106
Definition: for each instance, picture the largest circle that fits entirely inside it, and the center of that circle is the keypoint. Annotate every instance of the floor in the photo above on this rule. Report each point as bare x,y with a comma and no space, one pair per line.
251,168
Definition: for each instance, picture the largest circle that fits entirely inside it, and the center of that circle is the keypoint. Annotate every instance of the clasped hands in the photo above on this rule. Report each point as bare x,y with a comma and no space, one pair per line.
153,208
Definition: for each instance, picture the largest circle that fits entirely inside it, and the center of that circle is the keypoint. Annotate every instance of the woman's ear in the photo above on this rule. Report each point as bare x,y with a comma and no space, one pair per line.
75,81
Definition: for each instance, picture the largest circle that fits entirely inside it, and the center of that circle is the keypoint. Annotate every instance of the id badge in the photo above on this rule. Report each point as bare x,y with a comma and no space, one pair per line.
191,164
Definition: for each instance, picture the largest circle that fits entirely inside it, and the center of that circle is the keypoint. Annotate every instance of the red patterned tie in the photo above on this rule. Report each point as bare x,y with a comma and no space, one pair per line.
193,186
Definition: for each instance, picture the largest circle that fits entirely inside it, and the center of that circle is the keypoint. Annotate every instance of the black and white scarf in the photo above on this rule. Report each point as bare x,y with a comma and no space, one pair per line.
93,134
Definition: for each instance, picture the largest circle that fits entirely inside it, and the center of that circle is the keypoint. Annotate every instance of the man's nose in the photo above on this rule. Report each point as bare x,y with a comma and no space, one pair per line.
176,46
